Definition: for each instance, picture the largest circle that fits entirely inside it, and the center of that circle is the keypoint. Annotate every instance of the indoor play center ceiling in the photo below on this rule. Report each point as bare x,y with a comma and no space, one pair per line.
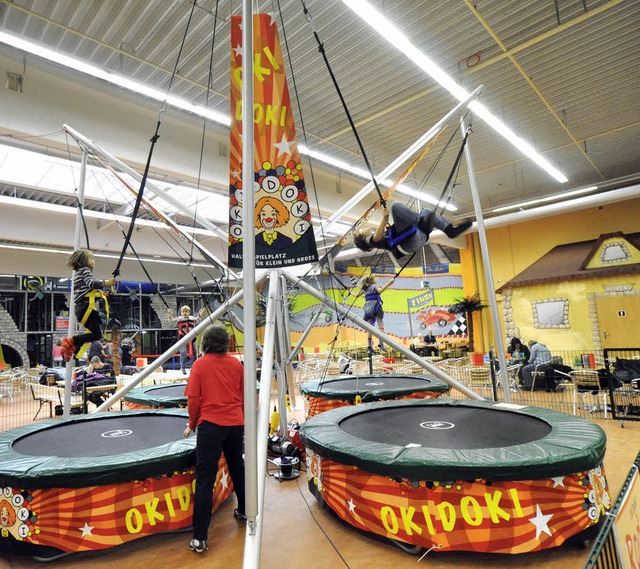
564,75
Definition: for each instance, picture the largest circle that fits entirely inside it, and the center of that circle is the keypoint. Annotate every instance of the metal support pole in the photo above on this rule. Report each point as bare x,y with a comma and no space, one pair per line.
487,266
68,372
167,355
253,537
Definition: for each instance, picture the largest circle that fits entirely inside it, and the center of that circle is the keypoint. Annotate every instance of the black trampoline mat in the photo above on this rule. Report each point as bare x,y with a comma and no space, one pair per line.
445,427
374,383
175,391
103,437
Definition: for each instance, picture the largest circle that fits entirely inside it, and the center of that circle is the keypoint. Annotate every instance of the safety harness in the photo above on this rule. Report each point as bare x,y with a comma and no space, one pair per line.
184,327
375,295
393,242
92,295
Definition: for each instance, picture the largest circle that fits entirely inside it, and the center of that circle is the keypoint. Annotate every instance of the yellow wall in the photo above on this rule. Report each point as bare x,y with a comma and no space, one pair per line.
513,248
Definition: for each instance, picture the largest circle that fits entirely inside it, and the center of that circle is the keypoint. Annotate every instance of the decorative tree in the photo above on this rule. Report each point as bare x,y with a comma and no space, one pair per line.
467,306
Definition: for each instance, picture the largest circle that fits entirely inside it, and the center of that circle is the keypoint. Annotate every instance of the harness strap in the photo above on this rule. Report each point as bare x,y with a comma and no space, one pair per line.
393,241
92,295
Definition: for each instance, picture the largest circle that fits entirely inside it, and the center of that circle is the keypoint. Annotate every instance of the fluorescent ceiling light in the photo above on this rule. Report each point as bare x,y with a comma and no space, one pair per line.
101,255
113,78
34,249
424,198
360,172
157,95
61,175
396,38
546,199
87,213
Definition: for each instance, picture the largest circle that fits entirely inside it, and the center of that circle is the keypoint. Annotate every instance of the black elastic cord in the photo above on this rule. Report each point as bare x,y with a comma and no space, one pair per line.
154,139
136,208
344,105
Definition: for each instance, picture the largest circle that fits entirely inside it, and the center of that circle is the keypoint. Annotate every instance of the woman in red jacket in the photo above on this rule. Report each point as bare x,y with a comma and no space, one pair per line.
215,392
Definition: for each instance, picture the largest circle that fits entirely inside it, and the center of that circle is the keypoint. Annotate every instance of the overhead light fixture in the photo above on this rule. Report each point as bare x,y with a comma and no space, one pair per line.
88,213
396,38
32,249
156,95
53,174
546,199
112,78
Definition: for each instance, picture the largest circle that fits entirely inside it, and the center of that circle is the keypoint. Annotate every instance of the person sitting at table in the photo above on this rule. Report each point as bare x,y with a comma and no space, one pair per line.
519,352
431,344
97,373
99,367
539,354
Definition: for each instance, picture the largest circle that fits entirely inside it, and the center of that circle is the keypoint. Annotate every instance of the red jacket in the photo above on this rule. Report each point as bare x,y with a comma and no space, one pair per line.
216,391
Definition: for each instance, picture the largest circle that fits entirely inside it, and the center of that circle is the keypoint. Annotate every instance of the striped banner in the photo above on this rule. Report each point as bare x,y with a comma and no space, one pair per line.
99,517
463,515
282,218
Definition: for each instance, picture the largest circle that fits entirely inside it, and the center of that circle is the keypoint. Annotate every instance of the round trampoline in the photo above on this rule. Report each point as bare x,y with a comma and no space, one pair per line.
97,481
157,396
331,393
459,475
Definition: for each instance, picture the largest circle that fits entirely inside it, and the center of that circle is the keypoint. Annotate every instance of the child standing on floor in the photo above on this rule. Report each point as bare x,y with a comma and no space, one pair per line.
85,288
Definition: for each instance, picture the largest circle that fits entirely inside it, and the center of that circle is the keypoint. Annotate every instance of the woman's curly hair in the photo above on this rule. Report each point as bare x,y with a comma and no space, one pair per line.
215,340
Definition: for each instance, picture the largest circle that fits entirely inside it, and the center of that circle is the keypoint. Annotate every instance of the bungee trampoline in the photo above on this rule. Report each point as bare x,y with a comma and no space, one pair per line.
97,481
333,392
157,396
459,475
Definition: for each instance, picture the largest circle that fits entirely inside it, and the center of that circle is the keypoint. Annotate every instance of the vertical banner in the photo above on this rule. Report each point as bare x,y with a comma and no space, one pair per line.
282,219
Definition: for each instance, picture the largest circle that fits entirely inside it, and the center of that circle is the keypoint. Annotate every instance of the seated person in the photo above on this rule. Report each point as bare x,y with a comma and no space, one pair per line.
431,344
95,374
519,352
539,354
98,366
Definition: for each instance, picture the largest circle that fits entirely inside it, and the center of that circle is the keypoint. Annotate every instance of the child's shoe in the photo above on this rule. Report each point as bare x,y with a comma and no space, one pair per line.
67,349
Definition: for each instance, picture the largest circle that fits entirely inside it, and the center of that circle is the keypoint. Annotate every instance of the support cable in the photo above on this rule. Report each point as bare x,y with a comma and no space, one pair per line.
154,139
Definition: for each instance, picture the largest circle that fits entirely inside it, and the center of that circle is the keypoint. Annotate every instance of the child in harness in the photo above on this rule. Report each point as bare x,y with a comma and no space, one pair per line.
409,232
86,290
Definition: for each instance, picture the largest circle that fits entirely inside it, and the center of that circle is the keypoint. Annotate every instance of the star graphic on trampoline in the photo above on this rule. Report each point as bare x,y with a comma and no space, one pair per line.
541,522
224,479
235,173
238,50
352,505
284,146
86,530
558,481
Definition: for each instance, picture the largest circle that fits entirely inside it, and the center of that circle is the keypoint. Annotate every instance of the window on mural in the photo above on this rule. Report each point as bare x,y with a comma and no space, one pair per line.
550,314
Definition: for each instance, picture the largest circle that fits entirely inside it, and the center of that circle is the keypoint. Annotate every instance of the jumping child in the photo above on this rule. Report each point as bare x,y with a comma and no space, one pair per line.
373,311
86,288
409,232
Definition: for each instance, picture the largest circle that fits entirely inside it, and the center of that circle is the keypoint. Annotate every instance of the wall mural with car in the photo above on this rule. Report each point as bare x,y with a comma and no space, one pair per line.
418,301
